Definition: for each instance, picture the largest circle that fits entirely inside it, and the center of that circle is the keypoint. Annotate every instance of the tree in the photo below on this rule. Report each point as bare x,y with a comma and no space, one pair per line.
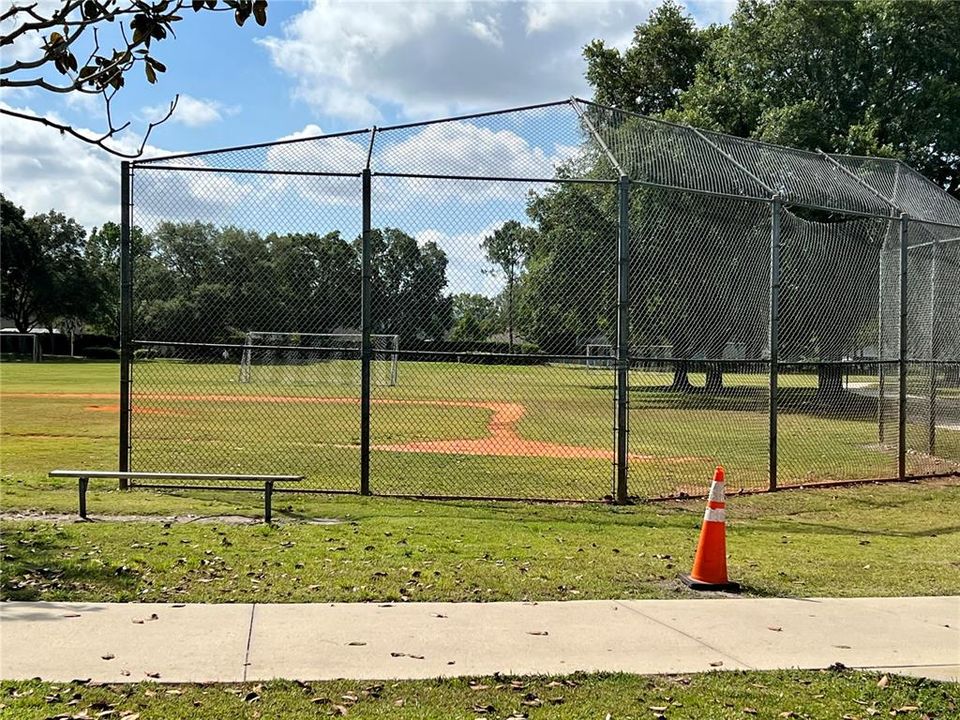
659,64
46,279
507,248
60,50
868,77
568,290
317,284
407,286
475,317
22,271
102,256
70,292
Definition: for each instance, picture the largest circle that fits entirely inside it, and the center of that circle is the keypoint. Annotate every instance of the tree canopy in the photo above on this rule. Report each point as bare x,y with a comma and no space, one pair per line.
868,77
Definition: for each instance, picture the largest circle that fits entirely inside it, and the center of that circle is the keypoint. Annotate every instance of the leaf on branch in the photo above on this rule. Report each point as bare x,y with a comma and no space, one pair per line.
198,5
260,12
150,73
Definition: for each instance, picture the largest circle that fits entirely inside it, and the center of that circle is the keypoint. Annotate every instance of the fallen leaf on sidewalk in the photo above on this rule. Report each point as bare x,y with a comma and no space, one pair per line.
775,628
537,632
71,615
718,663
154,675
108,656
356,643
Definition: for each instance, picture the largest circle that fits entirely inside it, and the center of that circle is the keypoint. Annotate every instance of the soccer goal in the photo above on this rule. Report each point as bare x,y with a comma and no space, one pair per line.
600,356
23,346
316,358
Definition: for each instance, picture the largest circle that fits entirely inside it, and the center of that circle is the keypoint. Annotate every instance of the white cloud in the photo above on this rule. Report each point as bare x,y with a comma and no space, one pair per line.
433,58
42,170
468,269
191,111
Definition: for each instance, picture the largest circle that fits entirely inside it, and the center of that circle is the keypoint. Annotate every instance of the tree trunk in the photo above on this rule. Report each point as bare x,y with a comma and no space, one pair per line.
829,381
714,378
510,311
681,381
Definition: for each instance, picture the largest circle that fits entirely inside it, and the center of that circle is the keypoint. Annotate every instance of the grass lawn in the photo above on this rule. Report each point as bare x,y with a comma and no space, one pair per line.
198,417
718,695
872,540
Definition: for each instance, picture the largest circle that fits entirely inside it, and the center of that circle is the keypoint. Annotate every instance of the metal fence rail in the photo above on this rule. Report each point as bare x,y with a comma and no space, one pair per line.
562,301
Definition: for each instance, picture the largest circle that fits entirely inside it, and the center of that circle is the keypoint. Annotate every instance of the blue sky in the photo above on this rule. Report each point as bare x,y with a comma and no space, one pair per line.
327,66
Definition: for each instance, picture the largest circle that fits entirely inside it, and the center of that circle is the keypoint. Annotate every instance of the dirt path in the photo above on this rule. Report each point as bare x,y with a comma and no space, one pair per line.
503,439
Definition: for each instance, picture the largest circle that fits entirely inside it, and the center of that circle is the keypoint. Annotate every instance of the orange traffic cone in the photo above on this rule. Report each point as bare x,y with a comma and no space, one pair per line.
710,565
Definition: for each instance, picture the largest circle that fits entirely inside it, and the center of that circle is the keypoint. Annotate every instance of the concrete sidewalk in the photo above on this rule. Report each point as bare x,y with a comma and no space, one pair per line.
231,643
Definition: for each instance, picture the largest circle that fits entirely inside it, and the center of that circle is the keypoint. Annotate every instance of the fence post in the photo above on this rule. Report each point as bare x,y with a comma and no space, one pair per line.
621,421
902,365
365,346
881,346
126,321
773,335
932,396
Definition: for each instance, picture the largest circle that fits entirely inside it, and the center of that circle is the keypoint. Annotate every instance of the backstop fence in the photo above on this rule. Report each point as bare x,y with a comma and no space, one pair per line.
561,301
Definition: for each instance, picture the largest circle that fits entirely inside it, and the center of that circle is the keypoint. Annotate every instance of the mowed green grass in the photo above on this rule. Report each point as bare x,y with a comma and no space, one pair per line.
872,540
198,417
883,539
719,695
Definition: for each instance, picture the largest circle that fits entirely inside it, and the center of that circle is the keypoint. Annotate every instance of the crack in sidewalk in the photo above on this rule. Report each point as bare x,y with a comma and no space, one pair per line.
246,654
696,639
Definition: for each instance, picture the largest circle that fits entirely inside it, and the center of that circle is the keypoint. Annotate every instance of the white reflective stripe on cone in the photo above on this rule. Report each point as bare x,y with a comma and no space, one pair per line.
714,515
716,492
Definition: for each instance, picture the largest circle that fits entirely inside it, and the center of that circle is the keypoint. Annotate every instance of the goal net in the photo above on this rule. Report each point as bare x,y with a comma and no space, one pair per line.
600,356
22,346
316,358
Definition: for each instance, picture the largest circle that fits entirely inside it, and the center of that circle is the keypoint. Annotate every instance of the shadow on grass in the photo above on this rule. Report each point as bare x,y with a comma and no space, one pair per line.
39,563
843,405
823,529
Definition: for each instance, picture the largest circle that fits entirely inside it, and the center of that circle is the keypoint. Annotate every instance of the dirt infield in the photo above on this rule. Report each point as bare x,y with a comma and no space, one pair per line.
503,439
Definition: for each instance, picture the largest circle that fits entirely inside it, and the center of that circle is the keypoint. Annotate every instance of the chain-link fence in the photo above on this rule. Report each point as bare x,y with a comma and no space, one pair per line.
562,301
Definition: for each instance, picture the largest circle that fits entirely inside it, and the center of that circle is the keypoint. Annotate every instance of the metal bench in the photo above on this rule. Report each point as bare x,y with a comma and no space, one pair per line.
84,477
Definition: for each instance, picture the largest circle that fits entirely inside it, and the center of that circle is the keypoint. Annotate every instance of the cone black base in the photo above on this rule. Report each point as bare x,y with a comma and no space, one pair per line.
731,587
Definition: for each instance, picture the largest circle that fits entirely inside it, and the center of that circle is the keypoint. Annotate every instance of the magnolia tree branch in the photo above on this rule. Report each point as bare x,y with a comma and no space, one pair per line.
101,73
100,141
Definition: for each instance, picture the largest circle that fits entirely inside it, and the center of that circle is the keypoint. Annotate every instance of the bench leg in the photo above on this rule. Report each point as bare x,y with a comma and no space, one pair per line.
83,496
267,501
